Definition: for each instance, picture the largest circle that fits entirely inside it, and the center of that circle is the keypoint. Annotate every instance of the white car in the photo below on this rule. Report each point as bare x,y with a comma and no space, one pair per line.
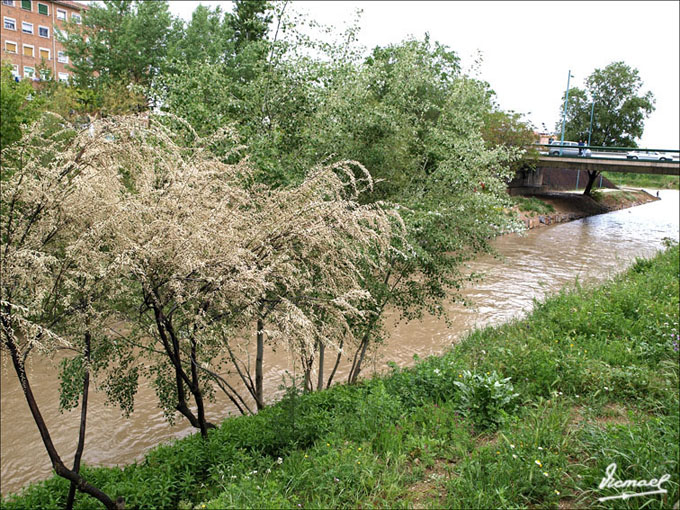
649,156
569,149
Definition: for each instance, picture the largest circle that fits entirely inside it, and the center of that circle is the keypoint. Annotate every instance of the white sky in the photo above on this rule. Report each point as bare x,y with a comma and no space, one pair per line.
529,47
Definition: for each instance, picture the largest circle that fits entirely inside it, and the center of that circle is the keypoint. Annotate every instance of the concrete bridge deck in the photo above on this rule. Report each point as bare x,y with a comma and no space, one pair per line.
610,165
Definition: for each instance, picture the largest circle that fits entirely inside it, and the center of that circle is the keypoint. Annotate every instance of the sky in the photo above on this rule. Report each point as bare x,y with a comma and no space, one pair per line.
528,48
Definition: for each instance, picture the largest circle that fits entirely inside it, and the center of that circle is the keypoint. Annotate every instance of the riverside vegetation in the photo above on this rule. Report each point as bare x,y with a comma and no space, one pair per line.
230,182
526,414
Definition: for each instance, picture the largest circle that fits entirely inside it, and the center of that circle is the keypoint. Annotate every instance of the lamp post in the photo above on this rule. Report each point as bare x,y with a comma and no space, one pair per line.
590,130
564,112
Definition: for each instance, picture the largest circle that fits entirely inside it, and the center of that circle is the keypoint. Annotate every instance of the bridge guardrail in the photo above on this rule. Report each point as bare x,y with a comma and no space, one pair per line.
602,152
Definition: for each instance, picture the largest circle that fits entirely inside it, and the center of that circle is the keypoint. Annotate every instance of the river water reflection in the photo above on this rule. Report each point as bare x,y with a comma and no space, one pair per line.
530,265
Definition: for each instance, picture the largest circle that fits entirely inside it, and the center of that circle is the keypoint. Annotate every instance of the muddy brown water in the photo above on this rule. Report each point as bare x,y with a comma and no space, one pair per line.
531,265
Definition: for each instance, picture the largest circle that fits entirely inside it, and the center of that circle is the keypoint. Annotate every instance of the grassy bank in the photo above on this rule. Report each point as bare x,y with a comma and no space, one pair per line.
644,180
528,414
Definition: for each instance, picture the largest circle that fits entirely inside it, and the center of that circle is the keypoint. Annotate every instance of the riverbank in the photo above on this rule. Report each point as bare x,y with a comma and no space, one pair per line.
562,207
528,414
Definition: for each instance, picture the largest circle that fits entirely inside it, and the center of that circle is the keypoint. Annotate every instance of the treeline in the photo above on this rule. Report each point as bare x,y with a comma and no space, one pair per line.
232,183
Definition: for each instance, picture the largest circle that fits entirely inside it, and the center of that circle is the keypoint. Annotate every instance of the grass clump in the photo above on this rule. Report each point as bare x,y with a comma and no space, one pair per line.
643,180
532,205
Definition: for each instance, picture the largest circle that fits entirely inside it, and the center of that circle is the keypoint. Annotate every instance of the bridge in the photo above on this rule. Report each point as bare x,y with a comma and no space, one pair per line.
595,160
610,165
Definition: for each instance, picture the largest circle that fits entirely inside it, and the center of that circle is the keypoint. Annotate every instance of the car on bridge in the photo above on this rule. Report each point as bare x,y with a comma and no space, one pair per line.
649,156
569,149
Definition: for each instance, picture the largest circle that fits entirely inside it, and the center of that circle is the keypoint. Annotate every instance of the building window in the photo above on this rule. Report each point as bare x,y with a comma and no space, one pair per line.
44,53
43,9
63,76
10,24
62,57
10,47
76,18
29,72
11,4
28,50
15,71
43,31
61,15
26,28
26,4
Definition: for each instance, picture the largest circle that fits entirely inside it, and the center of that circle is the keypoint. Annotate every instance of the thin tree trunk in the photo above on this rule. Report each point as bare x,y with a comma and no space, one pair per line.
57,463
356,367
308,376
259,359
319,381
83,419
245,377
173,353
198,394
337,363
229,391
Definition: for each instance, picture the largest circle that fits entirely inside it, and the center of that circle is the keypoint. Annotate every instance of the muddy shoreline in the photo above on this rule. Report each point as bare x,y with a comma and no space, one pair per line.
573,206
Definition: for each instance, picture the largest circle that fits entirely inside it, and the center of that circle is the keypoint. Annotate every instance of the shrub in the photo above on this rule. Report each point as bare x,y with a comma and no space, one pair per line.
486,399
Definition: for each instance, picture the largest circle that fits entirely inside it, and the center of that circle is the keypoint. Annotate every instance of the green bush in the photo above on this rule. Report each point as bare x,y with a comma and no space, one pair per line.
486,399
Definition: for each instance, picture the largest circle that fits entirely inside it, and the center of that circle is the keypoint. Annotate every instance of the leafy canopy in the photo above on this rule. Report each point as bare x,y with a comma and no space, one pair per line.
620,107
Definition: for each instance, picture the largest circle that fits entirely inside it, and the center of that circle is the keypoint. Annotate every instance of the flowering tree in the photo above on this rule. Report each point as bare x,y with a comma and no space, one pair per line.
206,254
58,197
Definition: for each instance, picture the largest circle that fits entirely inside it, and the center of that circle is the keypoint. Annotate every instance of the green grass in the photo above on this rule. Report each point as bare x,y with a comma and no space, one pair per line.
533,205
643,180
525,415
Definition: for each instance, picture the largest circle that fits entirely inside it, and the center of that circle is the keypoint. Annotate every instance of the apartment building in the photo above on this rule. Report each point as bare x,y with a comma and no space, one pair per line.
28,35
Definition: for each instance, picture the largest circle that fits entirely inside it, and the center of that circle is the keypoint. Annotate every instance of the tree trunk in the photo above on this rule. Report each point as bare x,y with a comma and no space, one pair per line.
337,363
259,360
57,463
203,425
172,349
319,380
356,365
83,418
592,175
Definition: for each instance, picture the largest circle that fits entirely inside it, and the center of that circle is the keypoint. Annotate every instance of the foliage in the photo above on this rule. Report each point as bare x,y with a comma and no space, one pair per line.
118,40
485,399
406,112
620,107
533,205
18,106
250,21
644,180
510,129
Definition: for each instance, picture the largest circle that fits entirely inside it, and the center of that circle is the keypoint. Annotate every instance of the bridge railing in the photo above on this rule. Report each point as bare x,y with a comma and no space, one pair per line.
605,152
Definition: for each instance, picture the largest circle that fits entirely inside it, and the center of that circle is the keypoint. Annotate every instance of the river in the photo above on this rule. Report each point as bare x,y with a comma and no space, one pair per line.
529,266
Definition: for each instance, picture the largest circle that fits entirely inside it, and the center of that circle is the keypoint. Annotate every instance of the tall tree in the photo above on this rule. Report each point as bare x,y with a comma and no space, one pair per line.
207,38
620,107
250,20
57,199
118,40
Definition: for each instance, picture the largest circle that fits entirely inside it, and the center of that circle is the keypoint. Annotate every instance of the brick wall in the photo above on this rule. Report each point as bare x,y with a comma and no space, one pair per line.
41,45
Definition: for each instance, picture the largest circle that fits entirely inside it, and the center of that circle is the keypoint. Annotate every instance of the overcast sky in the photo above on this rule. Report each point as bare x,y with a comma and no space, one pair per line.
528,48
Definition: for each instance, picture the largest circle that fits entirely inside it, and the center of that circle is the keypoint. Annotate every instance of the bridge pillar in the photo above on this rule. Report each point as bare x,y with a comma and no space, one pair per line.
527,179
